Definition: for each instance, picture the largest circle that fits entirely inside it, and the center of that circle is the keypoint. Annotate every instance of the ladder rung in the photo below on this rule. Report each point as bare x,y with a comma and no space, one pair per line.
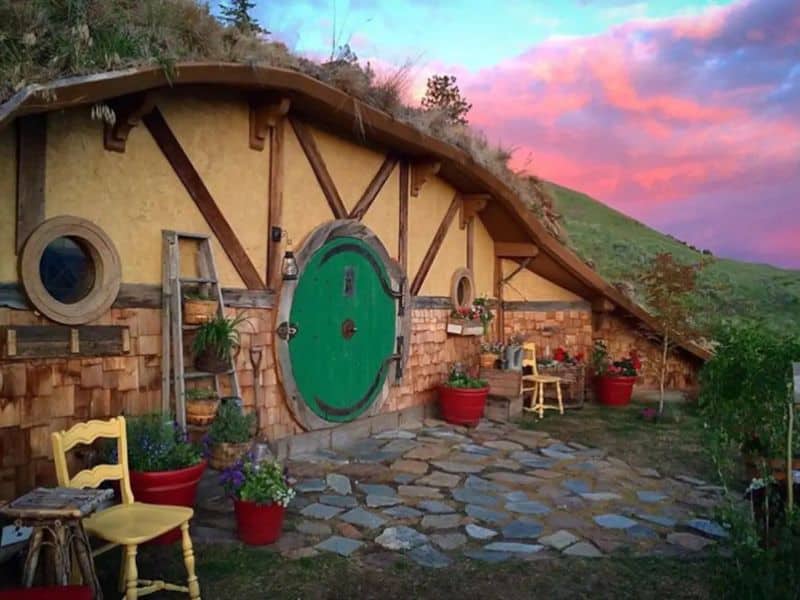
197,280
202,374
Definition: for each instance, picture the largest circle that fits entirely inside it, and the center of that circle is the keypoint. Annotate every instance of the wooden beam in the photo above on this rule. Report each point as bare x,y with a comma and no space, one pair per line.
188,175
309,146
602,305
498,293
275,208
436,243
471,245
471,205
265,114
421,171
402,242
128,111
31,175
374,188
515,250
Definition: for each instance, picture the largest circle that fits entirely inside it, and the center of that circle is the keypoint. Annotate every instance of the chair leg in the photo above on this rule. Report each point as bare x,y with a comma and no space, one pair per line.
188,559
131,574
122,581
541,401
560,400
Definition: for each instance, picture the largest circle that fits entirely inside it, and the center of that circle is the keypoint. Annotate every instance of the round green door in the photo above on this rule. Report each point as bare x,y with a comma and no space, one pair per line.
345,316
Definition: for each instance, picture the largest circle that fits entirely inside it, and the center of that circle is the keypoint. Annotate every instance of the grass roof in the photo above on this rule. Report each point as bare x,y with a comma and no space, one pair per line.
44,40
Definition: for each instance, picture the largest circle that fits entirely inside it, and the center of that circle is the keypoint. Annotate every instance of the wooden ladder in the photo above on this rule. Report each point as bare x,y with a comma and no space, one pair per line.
172,326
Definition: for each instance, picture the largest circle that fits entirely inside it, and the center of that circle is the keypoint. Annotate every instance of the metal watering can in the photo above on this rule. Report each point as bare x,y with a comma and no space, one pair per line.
513,357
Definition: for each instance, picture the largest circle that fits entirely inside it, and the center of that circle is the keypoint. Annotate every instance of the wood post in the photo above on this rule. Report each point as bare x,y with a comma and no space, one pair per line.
402,243
275,209
31,174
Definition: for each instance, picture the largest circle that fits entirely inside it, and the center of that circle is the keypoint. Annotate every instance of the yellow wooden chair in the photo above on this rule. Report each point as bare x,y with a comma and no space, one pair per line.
130,523
535,383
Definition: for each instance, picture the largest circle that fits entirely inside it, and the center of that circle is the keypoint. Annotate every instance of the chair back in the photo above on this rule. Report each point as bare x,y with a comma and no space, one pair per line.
87,433
529,357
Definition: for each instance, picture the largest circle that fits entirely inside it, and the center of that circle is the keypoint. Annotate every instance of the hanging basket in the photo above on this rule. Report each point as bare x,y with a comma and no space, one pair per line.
201,412
197,312
209,361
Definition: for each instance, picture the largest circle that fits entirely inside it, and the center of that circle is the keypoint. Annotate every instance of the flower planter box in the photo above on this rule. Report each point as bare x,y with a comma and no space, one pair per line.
174,488
462,327
614,391
462,406
258,524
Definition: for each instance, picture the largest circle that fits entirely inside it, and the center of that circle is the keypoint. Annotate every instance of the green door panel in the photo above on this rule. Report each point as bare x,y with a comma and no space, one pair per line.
345,316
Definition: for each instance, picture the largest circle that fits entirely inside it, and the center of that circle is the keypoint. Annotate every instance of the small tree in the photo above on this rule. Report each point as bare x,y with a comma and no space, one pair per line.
667,286
442,93
237,13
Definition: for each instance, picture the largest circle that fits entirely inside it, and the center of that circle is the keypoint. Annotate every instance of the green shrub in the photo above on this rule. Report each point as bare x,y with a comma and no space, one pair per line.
231,425
156,443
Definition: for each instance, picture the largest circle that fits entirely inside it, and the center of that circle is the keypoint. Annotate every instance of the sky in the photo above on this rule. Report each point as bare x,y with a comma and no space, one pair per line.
684,114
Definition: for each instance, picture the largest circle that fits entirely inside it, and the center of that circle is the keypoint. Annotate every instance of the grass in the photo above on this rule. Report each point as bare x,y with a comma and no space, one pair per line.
673,445
245,573
620,247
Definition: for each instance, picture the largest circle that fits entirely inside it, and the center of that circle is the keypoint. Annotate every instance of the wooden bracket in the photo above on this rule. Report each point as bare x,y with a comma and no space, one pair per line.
128,110
264,115
602,305
471,205
515,250
420,172
74,341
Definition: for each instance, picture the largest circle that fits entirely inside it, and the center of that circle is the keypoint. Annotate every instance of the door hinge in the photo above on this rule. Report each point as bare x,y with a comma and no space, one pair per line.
286,331
398,357
401,304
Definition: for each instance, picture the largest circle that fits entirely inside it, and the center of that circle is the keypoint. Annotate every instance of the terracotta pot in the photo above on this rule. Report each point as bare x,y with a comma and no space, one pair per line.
488,360
197,312
175,488
614,391
462,406
201,412
224,455
258,524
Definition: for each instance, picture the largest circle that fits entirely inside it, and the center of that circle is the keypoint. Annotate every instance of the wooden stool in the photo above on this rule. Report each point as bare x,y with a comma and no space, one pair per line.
56,514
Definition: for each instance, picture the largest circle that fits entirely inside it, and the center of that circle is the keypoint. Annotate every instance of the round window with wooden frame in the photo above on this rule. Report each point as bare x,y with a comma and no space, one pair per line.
70,270
462,289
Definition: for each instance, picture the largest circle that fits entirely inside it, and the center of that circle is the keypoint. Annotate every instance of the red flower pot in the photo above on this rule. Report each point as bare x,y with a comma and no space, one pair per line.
258,524
175,488
614,391
462,406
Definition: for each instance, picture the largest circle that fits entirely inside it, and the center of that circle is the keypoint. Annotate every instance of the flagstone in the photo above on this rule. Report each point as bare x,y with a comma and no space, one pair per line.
340,501
583,550
479,533
709,528
650,497
577,486
447,521
433,506
559,540
474,482
486,514
513,547
600,496
426,452
648,472
503,445
688,541
428,556
516,496
457,467
339,484
363,518
477,449
551,452
613,521
690,480
642,532
405,478
488,556
377,489
470,496
662,520
506,463
417,467
528,507
395,434
320,511
402,512
374,501
399,446
546,474
313,528
311,485
449,541
514,478
419,491
440,479
522,530
401,538
339,545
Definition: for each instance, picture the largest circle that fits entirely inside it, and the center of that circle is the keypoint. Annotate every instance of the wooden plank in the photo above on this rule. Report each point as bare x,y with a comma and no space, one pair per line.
432,302
314,157
373,189
546,306
471,245
50,341
402,244
515,250
275,199
191,180
31,175
436,243
498,293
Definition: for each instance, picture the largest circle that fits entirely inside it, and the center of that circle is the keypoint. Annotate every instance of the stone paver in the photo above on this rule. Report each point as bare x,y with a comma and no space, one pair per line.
374,501
577,486
690,480
428,556
339,545
612,521
688,541
340,501
503,445
426,452
662,520
339,484
449,541
419,491
417,467
528,507
709,528
377,489
470,496
479,533
522,530
313,528
642,532
395,434
439,479
363,518
320,511
600,496
559,540
474,482
441,521
488,556
401,538
513,547
584,550
311,485
486,514
515,479
457,467
403,512
557,453
650,497
433,506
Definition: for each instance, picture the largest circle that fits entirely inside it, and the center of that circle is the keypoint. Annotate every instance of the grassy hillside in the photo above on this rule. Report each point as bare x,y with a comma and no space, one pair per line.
620,246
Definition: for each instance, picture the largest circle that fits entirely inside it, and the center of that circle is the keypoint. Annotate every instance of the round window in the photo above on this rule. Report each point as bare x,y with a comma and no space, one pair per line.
70,270
67,269
462,289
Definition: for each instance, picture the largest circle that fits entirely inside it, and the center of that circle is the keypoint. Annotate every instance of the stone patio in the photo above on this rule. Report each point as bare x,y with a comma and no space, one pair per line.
439,493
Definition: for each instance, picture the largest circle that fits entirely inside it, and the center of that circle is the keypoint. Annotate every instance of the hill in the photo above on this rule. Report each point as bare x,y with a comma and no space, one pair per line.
620,246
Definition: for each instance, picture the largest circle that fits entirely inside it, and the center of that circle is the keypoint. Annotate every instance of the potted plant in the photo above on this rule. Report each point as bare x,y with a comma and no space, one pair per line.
462,399
198,307
229,434
201,406
490,354
164,467
614,380
261,493
215,343
471,320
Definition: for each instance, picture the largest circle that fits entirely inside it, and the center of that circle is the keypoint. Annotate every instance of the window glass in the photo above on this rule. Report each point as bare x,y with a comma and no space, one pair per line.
67,269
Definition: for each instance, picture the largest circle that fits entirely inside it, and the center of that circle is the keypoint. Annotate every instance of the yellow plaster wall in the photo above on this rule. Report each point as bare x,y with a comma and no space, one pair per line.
8,194
134,195
483,258
530,287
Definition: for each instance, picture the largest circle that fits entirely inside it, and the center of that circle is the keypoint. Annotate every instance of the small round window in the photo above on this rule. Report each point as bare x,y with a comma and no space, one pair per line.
70,270
67,269
462,291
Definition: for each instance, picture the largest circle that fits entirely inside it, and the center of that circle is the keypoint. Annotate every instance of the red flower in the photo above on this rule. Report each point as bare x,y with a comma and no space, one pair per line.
579,357
635,361
560,355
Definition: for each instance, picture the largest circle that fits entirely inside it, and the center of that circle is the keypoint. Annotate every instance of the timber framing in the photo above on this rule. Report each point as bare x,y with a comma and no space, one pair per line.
266,111
336,110
309,146
31,175
421,171
373,189
277,136
191,180
515,250
128,112
471,205
436,243
402,236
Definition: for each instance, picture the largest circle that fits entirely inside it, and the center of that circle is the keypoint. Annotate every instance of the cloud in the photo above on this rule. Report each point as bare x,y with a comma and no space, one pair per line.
676,121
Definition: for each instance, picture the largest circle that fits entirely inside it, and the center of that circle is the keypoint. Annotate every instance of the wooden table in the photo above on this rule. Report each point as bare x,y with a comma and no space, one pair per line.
56,514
